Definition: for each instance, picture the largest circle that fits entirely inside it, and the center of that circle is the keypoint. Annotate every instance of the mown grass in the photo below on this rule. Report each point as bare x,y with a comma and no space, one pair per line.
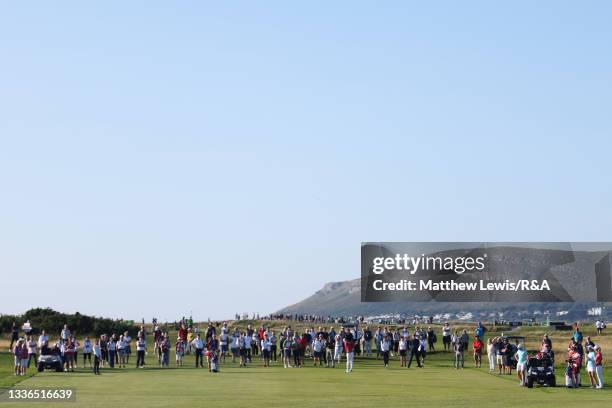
438,384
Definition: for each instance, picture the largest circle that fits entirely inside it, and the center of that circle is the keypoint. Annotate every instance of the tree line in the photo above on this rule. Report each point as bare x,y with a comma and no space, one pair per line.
53,321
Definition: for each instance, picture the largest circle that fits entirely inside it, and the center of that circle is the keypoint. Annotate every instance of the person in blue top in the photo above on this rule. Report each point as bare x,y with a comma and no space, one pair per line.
521,357
480,330
577,335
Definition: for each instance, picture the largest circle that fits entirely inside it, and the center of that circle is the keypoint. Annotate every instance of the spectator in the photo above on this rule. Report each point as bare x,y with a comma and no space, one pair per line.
43,342
97,357
385,346
266,346
599,367
446,336
491,353
577,334
87,350
600,325
31,344
403,348
14,334
431,339
65,333
367,341
179,351
112,351
17,352
591,364
546,342
459,348
198,346
477,346
349,346
415,343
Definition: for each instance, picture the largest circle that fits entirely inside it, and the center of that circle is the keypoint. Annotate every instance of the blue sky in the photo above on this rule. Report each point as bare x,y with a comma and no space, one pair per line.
159,158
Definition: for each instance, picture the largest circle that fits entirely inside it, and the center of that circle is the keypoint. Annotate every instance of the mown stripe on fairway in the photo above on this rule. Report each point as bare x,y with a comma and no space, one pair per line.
435,385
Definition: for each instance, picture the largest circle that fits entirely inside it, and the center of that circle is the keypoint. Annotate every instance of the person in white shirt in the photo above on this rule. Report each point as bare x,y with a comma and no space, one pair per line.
97,357
274,347
65,334
245,346
198,345
141,346
31,344
235,346
112,350
265,350
43,342
87,350
223,343
491,353
599,325
142,333
590,365
385,346
446,336
403,347
287,346
338,349
121,349
318,346
423,350
128,346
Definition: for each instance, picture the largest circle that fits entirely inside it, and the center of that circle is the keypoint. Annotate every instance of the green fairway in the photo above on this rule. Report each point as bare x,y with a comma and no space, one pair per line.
438,384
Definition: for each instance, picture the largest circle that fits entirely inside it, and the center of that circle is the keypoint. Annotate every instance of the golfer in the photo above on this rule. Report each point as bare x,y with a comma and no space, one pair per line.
521,358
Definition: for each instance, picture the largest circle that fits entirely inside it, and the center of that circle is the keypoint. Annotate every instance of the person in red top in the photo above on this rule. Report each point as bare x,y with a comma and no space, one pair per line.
24,358
349,349
182,333
477,345
303,345
599,366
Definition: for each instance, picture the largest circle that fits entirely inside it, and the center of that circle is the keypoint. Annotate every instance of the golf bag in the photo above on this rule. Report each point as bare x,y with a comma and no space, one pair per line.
569,381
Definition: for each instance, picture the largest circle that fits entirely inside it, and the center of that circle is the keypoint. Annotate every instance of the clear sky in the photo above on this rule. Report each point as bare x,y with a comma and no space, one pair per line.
158,158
